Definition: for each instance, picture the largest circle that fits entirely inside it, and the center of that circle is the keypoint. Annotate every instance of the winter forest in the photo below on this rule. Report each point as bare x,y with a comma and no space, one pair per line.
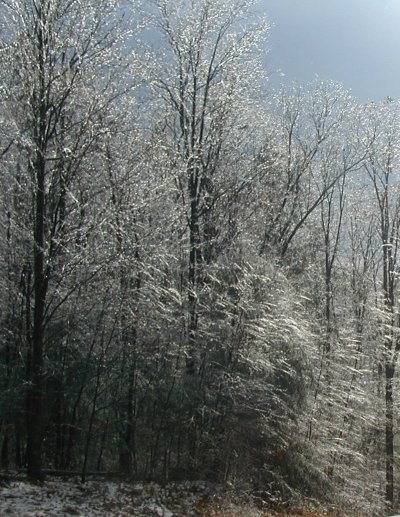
199,274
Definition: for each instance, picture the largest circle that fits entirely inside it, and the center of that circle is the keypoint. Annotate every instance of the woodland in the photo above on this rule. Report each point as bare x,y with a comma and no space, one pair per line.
199,275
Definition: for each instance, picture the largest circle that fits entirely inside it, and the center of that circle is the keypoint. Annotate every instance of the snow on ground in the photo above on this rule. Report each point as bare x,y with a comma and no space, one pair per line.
99,498
57,498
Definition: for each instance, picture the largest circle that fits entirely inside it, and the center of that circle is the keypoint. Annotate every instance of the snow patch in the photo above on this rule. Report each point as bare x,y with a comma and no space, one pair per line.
98,499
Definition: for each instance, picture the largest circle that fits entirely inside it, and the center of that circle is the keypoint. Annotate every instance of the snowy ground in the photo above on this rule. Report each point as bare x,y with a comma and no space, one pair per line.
61,498
101,498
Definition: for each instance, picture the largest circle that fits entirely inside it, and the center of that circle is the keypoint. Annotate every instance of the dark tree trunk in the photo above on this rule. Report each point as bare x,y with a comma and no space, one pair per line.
195,260
128,452
5,452
35,389
389,374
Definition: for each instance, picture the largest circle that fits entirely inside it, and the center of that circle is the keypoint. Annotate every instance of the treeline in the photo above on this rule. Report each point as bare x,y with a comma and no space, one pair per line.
199,276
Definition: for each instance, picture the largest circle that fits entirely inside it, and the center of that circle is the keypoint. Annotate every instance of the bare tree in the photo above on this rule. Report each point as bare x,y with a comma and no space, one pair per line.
382,130
303,158
204,83
58,83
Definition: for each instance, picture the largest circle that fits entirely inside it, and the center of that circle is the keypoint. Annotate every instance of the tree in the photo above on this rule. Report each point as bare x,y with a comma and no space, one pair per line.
205,85
383,160
303,158
59,60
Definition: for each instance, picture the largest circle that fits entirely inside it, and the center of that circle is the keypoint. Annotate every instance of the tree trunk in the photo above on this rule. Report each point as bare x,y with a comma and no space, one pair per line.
389,436
35,389
4,459
128,452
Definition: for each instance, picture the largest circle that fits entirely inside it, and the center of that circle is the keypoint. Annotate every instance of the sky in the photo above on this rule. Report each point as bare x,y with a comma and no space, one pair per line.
353,42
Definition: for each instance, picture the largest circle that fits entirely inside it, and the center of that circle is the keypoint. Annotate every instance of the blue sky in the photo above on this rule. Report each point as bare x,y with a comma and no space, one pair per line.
354,42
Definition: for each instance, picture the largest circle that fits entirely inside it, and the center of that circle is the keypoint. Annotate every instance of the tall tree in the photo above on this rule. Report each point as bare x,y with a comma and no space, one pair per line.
59,60
205,82
382,168
303,158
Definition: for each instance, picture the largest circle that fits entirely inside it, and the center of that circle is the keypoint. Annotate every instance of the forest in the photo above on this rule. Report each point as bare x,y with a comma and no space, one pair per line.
199,274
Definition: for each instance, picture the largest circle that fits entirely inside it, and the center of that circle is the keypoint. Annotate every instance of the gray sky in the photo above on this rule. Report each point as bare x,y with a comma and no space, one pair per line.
354,42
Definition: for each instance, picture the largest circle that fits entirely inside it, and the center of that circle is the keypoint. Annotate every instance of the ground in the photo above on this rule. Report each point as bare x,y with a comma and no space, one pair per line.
61,498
